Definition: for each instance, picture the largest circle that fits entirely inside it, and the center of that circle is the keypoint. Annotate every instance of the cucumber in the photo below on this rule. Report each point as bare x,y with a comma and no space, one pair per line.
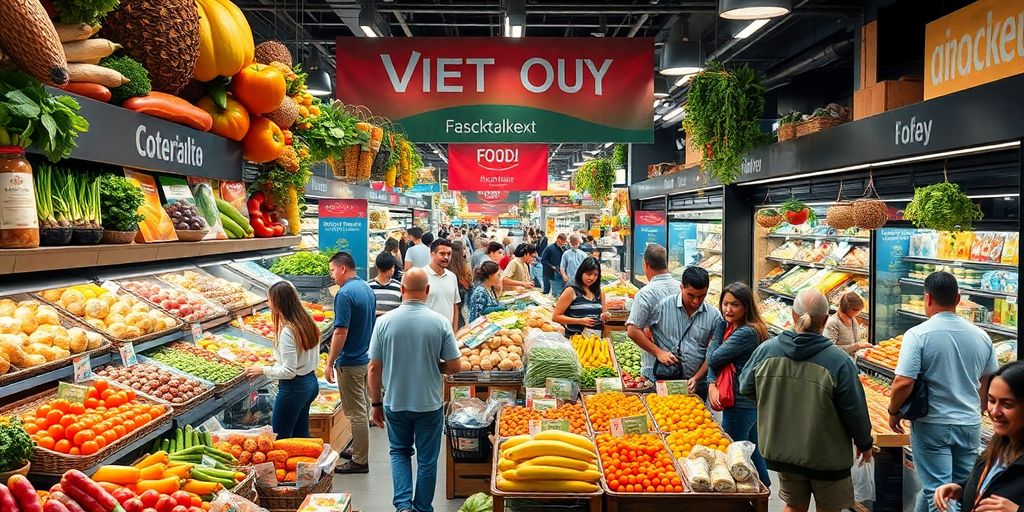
231,228
227,209
203,195
179,442
187,434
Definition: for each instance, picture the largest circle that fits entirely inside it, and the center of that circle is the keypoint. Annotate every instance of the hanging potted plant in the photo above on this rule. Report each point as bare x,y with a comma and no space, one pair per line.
840,216
943,207
787,125
796,212
870,212
768,217
722,112
596,177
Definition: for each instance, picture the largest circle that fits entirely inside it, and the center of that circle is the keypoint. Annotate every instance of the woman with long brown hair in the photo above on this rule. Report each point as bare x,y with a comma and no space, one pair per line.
734,341
459,265
296,356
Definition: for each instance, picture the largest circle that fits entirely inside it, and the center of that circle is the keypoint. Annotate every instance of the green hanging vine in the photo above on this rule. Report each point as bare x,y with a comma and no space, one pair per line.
943,207
596,177
722,112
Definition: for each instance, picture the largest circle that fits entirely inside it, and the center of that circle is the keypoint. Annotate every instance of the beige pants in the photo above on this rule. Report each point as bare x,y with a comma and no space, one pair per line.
352,385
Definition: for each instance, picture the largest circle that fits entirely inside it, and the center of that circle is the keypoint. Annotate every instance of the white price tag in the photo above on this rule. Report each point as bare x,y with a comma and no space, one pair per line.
83,368
208,461
197,331
128,357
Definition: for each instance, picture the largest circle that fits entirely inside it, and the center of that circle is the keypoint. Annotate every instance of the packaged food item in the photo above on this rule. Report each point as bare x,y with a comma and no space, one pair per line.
962,244
721,478
157,225
740,466
19,224
205,201
1011,249
234,193
698,475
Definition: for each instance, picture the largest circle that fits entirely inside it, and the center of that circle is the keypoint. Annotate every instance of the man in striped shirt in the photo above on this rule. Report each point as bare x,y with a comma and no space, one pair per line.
385,288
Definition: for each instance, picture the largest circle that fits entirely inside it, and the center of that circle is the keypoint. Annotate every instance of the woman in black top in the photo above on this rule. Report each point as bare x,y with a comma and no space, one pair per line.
581,305
996,483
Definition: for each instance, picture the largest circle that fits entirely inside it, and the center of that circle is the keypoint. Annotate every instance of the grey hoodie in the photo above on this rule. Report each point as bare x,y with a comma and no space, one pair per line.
810,405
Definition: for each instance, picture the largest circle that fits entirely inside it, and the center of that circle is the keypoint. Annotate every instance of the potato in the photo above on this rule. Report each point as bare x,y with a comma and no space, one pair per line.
506,365
133,332
486,365
96,323
464,351
474,359
465,365
75,345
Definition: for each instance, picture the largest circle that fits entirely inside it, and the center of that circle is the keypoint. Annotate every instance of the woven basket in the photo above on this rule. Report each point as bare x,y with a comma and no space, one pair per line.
289,499
191,235
118,237
247,487
79,322
787,131
49,462
183,407
817,124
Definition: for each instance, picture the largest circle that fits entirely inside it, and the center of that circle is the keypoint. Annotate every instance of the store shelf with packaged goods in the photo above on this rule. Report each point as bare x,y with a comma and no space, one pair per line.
962,263
809,264
873,368
1005,330
830,238
966,290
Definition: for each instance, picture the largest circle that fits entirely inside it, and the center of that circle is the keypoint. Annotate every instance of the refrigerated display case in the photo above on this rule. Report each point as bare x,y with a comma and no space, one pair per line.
699,244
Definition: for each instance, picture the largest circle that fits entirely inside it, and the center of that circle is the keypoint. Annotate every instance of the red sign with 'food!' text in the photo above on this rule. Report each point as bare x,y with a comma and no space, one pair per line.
513,167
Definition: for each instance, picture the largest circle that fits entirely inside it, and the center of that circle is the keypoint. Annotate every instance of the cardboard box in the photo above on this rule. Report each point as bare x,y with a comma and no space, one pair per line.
886,95
335,429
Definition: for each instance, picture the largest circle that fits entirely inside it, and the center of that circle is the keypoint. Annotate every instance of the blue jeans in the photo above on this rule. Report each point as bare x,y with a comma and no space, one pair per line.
422,430
942,454
537,274
741,425
557,286
291,407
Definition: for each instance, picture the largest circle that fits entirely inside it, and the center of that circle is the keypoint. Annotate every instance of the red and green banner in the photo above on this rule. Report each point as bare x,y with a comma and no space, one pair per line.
535,89
522,167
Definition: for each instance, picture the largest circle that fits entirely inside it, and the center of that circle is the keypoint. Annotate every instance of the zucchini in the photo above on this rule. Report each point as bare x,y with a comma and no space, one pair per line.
227,209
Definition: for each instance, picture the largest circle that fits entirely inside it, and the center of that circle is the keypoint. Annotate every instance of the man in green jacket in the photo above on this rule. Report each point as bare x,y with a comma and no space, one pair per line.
810,405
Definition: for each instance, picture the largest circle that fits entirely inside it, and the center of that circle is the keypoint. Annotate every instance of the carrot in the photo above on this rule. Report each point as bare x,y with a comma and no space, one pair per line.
154,472
171,108
89,90
183,471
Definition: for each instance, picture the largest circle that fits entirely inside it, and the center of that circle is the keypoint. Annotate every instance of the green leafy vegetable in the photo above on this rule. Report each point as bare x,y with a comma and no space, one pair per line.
84,11
332,131
303,264
558,363
16,447
120,202
944,207
619,156
138,78
588,379
479,502
596,177
30,116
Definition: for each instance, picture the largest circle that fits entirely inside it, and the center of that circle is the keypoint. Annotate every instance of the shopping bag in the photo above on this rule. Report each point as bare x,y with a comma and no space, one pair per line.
725,381
863,477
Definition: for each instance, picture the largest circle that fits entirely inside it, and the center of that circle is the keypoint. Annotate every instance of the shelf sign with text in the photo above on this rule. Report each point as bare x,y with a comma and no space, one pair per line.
485,89
522,167
344,226
981,43
649,229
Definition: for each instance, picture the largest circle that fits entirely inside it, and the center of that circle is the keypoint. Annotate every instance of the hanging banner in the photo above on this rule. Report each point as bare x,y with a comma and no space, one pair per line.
344,226
491,202
981,43
492,89
522,167
489,208
649,228
561,201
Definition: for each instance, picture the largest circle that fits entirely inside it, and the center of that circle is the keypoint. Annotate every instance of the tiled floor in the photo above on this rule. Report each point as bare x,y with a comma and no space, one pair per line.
372,492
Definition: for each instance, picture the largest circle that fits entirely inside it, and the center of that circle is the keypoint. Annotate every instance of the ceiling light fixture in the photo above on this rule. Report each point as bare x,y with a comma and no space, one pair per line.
318,81
753,9
369,21
749,30
514,18
683,80
660,87
680,55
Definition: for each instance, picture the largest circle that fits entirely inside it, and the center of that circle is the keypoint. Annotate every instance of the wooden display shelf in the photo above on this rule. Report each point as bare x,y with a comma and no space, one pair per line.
685,502
334,428
13,261
464,479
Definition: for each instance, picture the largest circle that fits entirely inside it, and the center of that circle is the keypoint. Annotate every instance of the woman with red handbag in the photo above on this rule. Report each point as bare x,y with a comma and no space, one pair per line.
735,339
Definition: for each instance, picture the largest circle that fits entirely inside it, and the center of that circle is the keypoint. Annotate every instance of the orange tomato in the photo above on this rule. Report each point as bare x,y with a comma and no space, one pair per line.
45,442
84,436
264,142
30,428
61,405
56,432
68,419
129,425
101,385
259,88
62,446
101,441
77,408
110,435
72,430
231,122
42,411
75,451
120,431
89,448
91,403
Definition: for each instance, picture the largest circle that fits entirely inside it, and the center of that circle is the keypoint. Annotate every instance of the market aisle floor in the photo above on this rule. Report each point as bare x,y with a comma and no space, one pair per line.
372,492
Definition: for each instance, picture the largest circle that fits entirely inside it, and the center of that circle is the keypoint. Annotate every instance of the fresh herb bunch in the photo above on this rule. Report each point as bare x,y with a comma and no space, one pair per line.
791,118
90,12
30,116
332,131
596,177
297,85
120,202
303,264
138,78
768,212
943,207
16,447
722,115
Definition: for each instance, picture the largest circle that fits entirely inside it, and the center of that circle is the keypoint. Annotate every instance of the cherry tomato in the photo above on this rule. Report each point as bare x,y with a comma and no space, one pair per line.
182,498
46,442
149,498
84,435
62,446
68,419
77,408
42,411
56,432
133,505
100,385
122,495
165,504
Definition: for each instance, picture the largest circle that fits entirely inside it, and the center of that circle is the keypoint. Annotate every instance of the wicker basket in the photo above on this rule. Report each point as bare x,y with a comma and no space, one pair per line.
80,322
817,124
247,487
49,462
191,235
787,131
118,237
289,499
180,408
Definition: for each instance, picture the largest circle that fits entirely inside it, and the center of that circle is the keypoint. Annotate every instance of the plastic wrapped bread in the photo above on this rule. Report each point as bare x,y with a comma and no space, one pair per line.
747,487
740,465
703,452
697,474
721,478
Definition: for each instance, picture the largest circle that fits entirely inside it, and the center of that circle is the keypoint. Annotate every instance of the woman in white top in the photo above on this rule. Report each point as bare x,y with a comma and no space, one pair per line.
842,328
296,356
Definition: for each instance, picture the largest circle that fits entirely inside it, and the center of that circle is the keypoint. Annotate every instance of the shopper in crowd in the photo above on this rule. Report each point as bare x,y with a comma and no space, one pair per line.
484,297
951,356
581,305
507,243
480,254
418,254
386,289
572,258
495,252
506,257
996,483
391,246
405,362
404,243
811,410
843,328
459,265
518,269
540,240
355,309
681,329
588,245
444,295
660,284
551,259
428,240
296,355
734,342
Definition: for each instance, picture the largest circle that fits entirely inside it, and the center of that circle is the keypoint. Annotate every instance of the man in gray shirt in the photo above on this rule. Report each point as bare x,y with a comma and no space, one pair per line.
660,284
418,255
571,259
681,328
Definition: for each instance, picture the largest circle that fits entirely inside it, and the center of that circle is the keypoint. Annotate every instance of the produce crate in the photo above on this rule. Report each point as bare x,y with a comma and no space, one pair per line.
218,389
463,479
787,131
310,288
334,428
817,124
481,390
592,500
618,369
497,421
53,463
80,322
216,310
590,424
180,408
289,499
252,294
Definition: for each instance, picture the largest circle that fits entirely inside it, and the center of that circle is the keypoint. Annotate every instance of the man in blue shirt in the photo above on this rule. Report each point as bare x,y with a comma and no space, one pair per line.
355,309
409,363
551,260
954,357
572,259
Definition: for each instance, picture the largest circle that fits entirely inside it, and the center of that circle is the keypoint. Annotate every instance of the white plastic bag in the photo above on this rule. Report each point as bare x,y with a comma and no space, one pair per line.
863,480
738,456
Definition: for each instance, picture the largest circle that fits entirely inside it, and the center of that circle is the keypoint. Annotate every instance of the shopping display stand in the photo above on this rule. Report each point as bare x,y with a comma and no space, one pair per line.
594,501
334,428
684,502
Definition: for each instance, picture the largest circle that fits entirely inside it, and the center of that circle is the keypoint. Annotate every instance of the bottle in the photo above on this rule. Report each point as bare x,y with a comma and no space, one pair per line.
19,222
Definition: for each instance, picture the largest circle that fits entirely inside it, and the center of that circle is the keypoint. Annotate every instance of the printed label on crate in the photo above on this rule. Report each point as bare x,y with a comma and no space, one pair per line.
534,393
462,392
537,426
504,395
629,425
211,425
592,332
564,389
485,376
128,357
672,387
306,474
71,392
467,444
265,474
543,404
208,461
83,368
110,286
608,384
197,331
484,334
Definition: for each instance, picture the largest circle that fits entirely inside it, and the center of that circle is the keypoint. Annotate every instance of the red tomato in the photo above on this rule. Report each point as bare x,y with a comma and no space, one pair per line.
179,508
165,504
133,505
182,498
149,498
122,495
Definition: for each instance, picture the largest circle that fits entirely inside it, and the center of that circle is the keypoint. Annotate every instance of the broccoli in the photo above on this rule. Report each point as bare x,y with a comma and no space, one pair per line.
16,446
138,78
